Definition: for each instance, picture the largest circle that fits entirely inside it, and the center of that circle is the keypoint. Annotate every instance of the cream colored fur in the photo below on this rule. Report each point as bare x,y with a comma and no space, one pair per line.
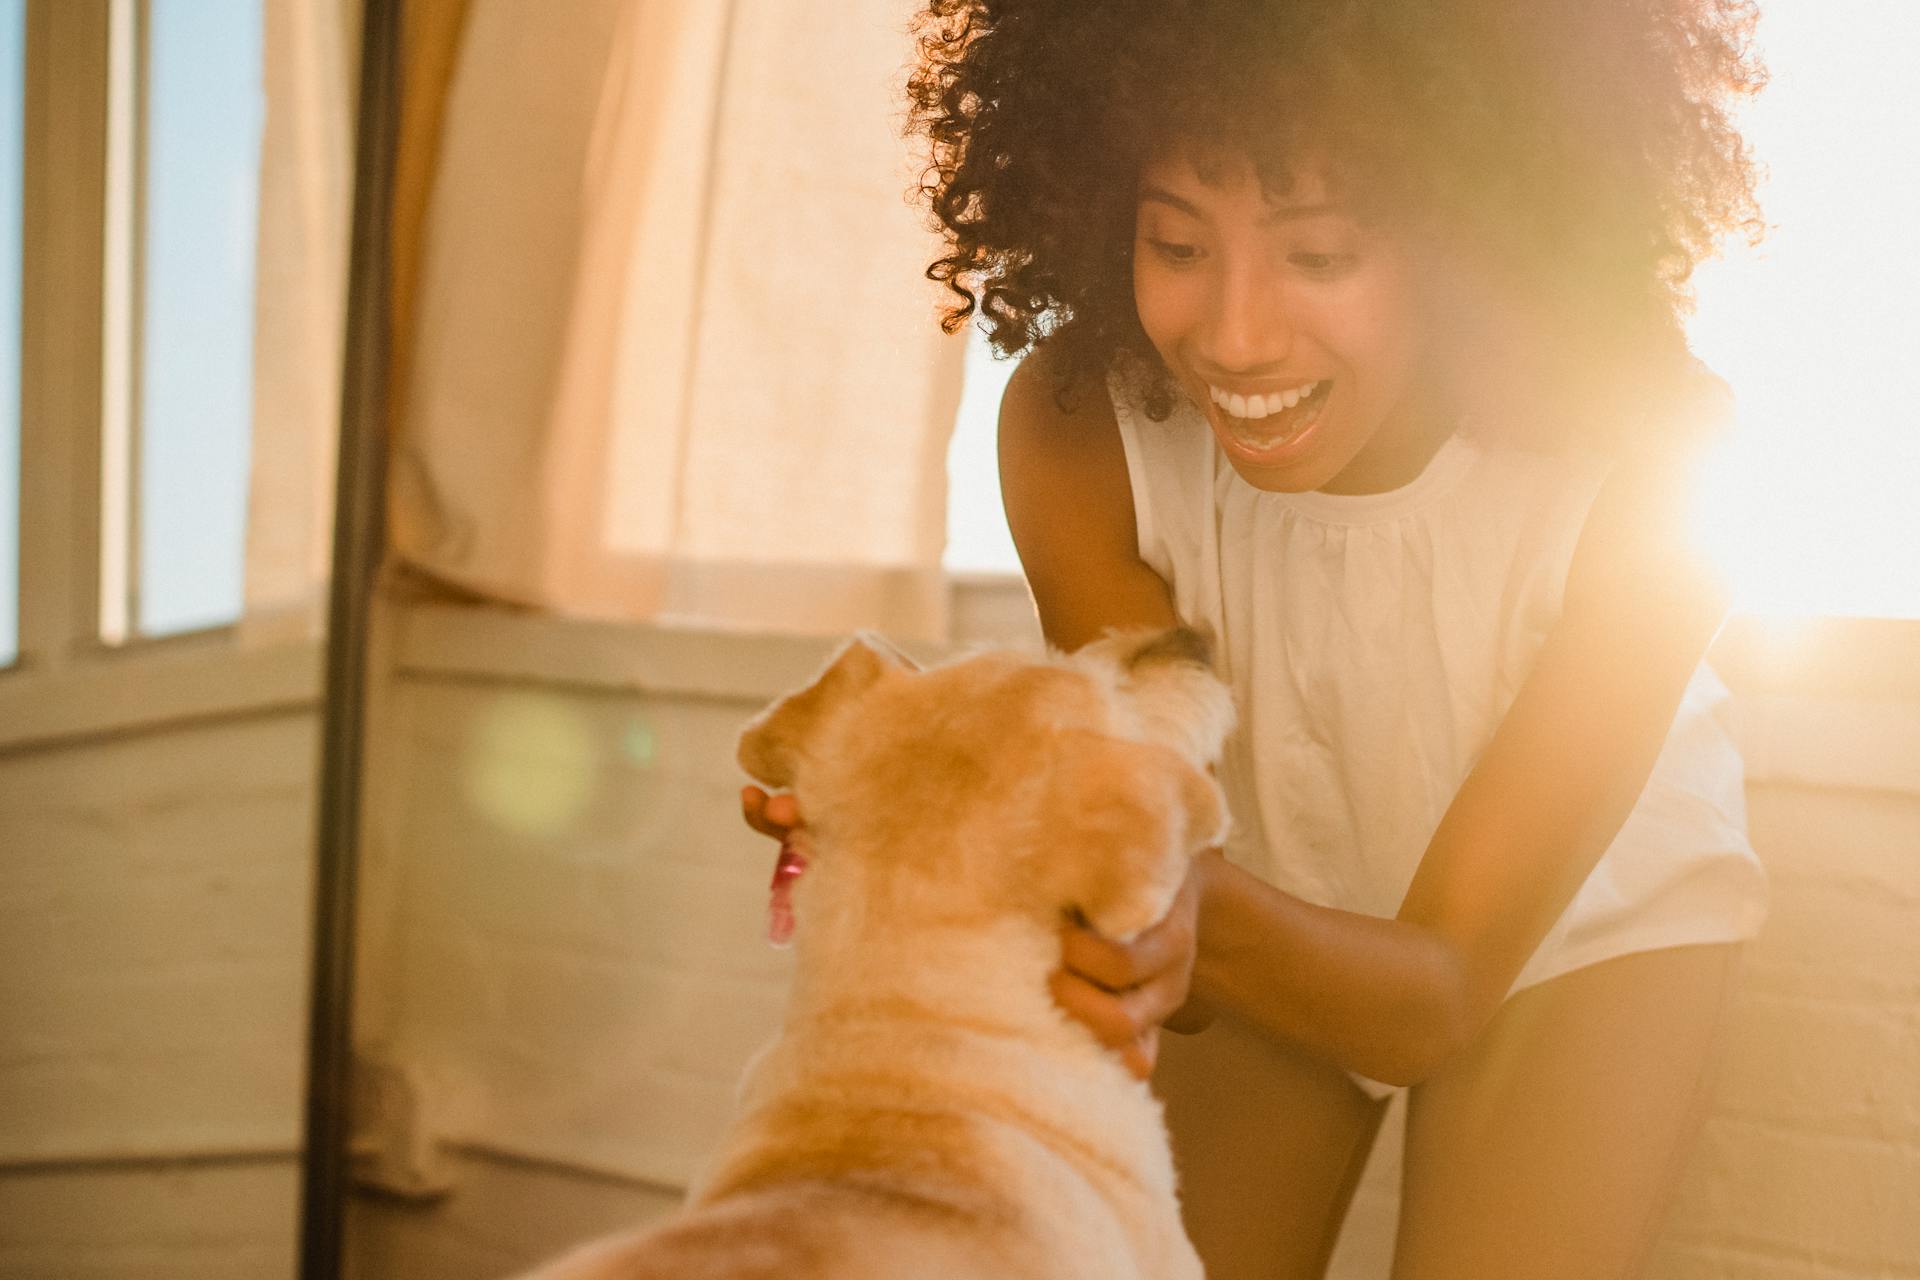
927,1110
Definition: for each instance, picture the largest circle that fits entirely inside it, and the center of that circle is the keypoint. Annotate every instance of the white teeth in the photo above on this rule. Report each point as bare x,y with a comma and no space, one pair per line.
1254,408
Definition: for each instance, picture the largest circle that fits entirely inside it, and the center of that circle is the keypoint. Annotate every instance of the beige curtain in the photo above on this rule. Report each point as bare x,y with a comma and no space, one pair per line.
671,355
311,70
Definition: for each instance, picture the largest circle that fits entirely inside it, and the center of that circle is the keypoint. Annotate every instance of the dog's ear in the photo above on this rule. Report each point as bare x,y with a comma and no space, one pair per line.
1129,817
771,744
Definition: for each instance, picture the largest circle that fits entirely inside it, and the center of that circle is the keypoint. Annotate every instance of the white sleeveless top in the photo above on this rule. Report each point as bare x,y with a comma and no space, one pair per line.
1374,642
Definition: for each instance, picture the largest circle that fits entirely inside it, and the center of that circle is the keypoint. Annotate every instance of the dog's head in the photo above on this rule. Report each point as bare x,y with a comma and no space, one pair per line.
1003,783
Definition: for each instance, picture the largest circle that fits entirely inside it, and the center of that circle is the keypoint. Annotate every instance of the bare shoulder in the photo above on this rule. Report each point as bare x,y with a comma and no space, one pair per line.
1063,478
1642,554
1056,461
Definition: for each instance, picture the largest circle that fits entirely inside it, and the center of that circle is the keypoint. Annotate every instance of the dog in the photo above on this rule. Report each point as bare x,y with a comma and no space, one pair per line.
927,1111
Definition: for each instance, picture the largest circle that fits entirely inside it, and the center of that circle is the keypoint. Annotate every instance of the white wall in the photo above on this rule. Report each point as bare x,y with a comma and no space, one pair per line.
585,992
1809,1163
155,830
562,923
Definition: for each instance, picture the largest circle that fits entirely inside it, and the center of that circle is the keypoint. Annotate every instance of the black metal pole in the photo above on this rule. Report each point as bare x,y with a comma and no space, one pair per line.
358,535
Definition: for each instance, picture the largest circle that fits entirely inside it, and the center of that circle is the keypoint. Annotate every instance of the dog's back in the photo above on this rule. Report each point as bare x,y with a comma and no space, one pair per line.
883,1228
803,1231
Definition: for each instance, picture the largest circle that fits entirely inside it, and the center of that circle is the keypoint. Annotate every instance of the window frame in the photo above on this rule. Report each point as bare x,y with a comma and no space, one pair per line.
69,682
62,329
80,306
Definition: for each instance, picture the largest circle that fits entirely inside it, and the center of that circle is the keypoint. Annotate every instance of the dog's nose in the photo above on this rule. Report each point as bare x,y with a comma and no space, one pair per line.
1179,644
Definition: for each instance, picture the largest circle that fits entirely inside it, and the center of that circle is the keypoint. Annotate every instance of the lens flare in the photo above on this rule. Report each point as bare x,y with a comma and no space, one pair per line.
530,765
640,745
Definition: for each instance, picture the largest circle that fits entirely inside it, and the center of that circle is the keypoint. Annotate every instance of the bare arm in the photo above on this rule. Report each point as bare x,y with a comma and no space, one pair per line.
1354,988
1063,479
1395,998
1390,998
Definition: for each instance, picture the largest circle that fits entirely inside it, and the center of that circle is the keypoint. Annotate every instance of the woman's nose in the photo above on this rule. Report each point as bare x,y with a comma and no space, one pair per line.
1252,333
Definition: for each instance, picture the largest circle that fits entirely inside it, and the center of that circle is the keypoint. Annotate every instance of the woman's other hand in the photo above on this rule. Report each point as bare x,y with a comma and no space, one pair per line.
1125,991
775,815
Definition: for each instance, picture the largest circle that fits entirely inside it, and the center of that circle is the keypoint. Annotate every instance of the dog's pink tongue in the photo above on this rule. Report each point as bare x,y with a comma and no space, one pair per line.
786,869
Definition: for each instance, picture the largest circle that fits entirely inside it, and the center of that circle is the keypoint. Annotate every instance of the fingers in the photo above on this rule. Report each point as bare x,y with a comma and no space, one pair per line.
1140,1053
774,816
1099,1011
783,811
1123,991
753,807
1127,1023
1167,945
1139,1057
1118,966
1101,961
1191,1018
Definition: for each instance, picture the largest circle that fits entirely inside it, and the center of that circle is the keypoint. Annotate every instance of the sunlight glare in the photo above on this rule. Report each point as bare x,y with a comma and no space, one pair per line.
1812,503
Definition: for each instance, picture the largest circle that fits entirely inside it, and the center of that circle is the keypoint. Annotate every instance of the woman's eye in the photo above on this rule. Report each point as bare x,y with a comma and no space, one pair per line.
1174,251
1321,264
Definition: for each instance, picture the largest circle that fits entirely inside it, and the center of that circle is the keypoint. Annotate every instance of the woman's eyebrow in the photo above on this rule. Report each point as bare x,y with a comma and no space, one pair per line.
1295,212
1165,197
1280,213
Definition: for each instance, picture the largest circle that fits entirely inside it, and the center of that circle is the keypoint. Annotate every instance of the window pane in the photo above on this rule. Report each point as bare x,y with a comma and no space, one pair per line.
204,109
12,98
1816,330
977,537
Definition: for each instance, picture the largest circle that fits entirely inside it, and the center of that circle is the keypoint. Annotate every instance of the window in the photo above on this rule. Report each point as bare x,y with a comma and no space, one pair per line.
13,88
977,537
165,474
1818,328
185,116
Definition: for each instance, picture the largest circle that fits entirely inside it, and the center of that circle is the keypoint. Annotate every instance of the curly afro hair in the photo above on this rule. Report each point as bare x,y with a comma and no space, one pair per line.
1575,157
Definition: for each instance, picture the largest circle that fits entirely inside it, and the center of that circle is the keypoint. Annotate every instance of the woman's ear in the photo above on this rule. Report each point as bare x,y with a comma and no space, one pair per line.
772,743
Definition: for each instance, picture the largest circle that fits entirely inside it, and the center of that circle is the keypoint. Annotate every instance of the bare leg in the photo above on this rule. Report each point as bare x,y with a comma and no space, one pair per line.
1269,1143
1552,1146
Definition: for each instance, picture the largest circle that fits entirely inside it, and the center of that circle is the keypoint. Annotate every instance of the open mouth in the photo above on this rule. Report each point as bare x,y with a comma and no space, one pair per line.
1262,423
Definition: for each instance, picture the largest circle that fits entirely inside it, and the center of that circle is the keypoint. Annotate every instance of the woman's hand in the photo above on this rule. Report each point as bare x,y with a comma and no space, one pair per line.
1125,991
779,817
774,816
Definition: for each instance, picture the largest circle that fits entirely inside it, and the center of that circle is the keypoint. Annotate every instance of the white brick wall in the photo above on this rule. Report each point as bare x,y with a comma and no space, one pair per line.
1806,1164
152,940
153,948
563,928
576,954
226,1220
1809,1163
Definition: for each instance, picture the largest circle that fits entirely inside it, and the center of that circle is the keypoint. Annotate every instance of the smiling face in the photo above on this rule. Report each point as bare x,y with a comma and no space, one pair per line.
1295,328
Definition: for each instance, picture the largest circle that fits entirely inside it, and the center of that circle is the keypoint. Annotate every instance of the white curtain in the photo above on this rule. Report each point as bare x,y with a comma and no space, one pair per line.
671,355
306,193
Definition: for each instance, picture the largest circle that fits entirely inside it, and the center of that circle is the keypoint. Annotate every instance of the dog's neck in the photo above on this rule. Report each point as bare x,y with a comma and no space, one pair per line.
909,1011
874,958
991,972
